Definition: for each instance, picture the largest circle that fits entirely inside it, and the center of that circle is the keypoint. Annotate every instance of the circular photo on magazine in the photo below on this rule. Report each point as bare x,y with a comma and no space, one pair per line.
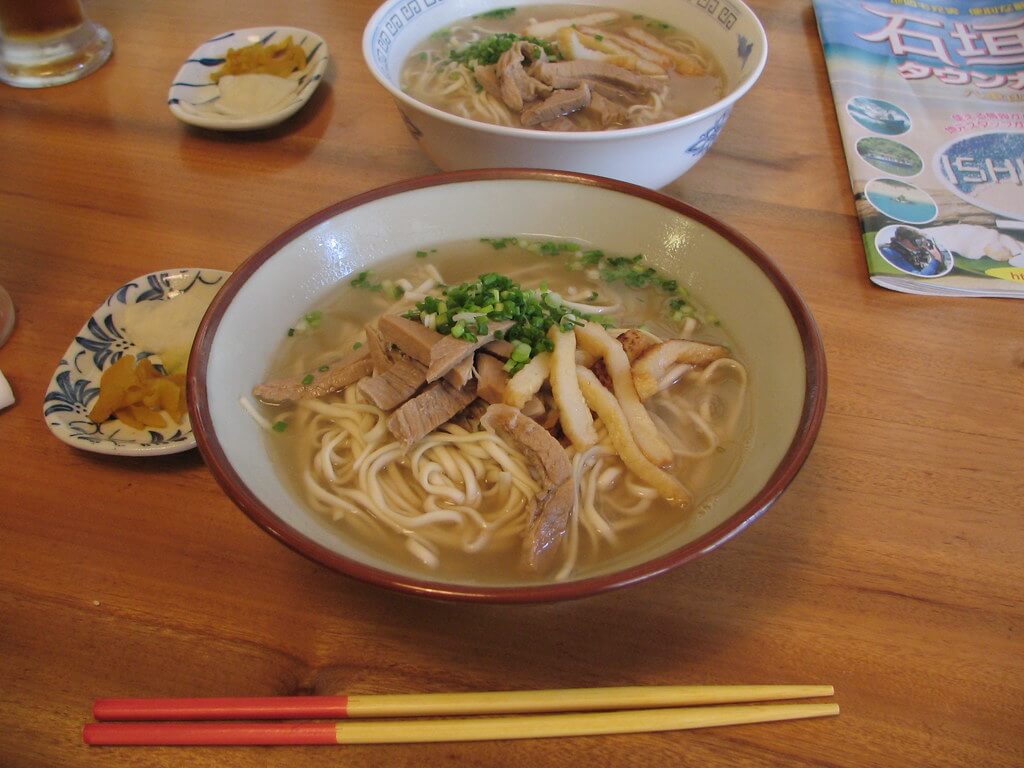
889,156
901,201
912,252
878,116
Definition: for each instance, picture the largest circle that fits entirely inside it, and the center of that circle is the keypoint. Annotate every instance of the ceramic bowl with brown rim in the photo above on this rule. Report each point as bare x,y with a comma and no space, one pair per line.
771,330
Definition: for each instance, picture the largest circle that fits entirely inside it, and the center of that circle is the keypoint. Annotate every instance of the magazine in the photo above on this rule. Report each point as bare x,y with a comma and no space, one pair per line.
930,102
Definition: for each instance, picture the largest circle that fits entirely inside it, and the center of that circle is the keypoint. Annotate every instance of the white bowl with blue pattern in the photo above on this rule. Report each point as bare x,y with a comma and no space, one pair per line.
193,95
651,155
101,342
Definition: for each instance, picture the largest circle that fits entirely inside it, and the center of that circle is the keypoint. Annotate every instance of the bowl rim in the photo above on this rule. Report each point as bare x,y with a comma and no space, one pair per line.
722,105
812,410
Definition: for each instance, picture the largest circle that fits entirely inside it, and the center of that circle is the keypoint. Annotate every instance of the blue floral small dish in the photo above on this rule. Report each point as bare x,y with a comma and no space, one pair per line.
103,340
196,99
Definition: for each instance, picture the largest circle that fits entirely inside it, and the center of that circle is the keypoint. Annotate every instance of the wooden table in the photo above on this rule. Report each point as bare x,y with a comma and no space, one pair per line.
892,567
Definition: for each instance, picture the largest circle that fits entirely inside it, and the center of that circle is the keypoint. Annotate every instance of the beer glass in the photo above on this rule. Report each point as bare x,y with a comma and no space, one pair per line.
49,42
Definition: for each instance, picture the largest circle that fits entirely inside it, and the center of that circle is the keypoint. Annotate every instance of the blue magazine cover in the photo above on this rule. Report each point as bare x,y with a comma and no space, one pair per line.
930,102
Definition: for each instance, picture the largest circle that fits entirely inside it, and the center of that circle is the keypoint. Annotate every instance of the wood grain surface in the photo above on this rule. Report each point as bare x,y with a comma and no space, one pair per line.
891,568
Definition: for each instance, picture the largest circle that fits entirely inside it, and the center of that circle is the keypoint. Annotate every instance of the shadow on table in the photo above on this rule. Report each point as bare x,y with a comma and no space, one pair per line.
302,132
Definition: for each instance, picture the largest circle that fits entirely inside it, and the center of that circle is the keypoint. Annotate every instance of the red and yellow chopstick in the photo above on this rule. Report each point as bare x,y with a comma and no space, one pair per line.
426,704
525,715
534,726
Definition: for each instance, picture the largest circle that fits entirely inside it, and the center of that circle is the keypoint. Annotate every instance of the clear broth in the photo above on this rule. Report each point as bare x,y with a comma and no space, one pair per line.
348,309
685,94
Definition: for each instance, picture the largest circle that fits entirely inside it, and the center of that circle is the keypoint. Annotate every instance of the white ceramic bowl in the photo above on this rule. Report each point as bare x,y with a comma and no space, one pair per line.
651,155
773,333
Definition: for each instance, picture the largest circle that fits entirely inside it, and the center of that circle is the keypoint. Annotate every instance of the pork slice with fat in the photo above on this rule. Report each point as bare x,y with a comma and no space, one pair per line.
491,377
395,384
413,338
560,103
518,88
326,379
435,405
550,466
450,352
569,74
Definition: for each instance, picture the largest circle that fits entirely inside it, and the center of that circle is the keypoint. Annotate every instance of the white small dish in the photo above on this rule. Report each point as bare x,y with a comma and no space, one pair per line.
193,97
101,342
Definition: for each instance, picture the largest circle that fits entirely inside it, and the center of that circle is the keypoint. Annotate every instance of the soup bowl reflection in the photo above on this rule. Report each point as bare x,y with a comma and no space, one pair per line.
652,155
773,333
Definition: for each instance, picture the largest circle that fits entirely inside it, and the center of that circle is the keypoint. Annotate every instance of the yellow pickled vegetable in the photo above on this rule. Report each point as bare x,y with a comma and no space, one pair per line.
137,394
281,60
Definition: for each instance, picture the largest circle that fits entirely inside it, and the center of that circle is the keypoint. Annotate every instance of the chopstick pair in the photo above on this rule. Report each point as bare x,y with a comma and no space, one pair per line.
486,716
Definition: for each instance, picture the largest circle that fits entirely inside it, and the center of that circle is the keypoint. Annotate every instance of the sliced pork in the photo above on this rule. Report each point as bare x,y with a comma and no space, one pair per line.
516,87
487,76
414,339
550,466
394,385
492,378
328,378
451,352
439,353
558,104
435,405
380,350
569,74
608,112
460,375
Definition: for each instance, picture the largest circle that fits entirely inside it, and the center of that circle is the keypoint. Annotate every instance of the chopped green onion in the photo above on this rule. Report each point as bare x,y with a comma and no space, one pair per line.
364,280
324,368
280,426
488,51
521,353
497,13
307,379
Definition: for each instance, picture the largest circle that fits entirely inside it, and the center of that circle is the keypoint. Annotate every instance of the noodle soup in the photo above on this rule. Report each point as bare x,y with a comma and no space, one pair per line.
468,496
563,68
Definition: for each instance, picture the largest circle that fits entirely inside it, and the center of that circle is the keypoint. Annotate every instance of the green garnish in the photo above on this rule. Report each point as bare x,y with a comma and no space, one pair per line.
313,318
497,243
365,280
488,51
493,298
497,13
357,345
421,254
280,426
291,331
307,379
324,368
631,271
